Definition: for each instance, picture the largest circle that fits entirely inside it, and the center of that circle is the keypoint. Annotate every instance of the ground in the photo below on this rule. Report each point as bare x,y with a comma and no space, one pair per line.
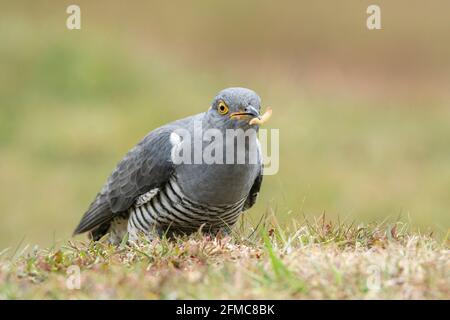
312,260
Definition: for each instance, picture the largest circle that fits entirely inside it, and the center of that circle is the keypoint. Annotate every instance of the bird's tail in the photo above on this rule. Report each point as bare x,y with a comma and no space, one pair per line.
98,214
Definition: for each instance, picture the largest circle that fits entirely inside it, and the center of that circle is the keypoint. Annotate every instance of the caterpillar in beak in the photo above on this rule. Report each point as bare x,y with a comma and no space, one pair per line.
263,119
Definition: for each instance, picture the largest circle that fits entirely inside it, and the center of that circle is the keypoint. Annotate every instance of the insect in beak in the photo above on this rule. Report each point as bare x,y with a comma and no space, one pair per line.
262,119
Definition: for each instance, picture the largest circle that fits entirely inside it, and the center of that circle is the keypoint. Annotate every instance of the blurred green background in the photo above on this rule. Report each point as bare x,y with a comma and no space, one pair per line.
364,116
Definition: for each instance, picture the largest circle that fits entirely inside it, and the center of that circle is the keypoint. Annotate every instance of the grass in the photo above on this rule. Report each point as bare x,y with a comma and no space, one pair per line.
311,260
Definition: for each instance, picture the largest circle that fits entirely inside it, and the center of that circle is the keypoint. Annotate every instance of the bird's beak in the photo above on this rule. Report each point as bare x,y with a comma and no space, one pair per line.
249,113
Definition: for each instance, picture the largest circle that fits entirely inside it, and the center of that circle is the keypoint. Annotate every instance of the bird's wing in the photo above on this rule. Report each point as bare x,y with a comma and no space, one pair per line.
145,167
254,191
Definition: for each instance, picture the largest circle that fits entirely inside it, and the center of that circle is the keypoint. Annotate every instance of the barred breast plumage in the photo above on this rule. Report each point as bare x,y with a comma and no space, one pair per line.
168,209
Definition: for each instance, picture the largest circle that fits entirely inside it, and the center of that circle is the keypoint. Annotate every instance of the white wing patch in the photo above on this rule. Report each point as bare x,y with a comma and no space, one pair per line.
146,197
175,140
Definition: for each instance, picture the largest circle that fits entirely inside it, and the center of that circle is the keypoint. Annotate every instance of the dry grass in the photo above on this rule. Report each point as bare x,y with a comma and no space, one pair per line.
317,261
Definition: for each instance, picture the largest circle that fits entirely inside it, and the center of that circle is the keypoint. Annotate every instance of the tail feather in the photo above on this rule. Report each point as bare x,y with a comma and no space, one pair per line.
98,213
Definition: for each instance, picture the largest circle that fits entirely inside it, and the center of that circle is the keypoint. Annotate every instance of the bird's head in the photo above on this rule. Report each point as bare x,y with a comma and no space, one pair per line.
235,108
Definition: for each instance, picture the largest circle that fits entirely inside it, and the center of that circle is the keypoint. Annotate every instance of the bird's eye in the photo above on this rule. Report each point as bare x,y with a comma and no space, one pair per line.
222,108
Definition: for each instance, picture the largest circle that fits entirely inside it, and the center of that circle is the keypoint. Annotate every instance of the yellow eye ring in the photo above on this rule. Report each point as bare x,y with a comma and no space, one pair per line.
222,108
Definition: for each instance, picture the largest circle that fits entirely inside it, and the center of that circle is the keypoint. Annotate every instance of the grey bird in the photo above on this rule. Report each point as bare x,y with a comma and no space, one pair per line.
150,193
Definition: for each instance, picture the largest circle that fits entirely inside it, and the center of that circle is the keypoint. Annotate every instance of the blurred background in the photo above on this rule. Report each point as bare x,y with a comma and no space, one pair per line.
364,116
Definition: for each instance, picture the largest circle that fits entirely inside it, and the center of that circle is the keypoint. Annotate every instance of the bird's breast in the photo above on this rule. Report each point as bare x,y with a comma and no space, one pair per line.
218,184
